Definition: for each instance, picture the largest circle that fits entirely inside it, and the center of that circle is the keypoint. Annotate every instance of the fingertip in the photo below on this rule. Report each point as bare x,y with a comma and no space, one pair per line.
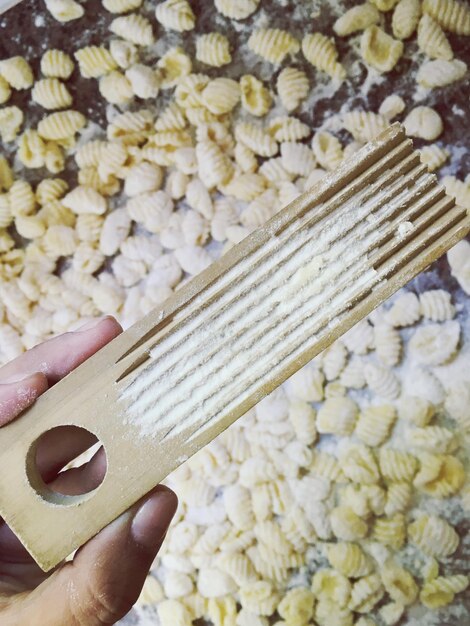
17,394
153,517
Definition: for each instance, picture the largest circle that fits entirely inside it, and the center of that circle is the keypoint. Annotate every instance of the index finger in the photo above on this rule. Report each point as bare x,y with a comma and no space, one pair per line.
58,356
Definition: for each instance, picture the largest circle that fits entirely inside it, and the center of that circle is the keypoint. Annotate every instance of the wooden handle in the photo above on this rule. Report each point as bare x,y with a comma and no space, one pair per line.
172,382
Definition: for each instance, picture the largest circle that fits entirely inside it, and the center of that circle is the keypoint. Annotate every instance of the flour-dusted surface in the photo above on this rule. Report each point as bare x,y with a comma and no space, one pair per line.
30,32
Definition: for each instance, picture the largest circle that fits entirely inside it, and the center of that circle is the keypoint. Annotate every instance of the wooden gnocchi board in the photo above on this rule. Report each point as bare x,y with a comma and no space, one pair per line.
175,380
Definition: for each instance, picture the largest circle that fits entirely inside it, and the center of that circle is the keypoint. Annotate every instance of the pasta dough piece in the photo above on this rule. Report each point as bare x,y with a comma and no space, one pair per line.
94,61
364,125
56,64
17,72
434,157
11,119
238,10
221,95
337,416
384,5
5,91
387,344
327,149
273,44
405,18
380,50
382,381
116,88
255,97
121,6
321,52
436,305
433,535
355,19
297,606
441,591
390,531
423,122
346,525
31,149
61,125
432,39
85,200
65,10
123,52
134,28
374,424
143,80
213,49
405,310
452,15
292,87
397,466
392,106
440,73
436,343
50,93
256,138
349,559
440,476
176,15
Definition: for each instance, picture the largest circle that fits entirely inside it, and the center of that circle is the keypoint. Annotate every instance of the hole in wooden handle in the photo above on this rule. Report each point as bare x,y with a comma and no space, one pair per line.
66,465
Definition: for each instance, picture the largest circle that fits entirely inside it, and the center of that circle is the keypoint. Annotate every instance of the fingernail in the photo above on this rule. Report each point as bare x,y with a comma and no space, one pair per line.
17,378
92,323
152,520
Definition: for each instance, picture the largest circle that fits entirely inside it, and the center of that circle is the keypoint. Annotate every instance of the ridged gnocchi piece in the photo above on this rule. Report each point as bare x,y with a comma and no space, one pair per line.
337,416
434,157
293,87
432,39
95,61
355,19
56,64
440,73
380,50
65,10
11,119
321,52
255,97
433,535
382,381
51,93
364,125
61,125
134,28
213,49
239,10
327,149
374,424
452,15
349,559
176,15
273,44
405,18
435,344
121,6
17,72
441,591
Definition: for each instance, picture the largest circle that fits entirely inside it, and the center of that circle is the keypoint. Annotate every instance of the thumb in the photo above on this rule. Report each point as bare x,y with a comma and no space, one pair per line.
106,576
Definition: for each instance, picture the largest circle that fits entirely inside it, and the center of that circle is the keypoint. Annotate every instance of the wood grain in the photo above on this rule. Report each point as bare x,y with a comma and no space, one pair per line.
381,219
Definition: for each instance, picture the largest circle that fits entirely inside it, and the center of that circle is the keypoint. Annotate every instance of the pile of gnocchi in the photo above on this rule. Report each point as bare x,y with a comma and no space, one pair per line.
338,500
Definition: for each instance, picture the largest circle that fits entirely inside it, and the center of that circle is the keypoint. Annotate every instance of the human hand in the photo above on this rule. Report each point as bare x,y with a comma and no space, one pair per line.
106,575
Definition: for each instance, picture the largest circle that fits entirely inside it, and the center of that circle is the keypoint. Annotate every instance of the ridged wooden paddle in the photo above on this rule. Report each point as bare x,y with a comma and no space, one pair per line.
175,380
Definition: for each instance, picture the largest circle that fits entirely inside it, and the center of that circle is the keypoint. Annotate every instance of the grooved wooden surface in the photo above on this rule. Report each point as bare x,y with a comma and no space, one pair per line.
375,222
